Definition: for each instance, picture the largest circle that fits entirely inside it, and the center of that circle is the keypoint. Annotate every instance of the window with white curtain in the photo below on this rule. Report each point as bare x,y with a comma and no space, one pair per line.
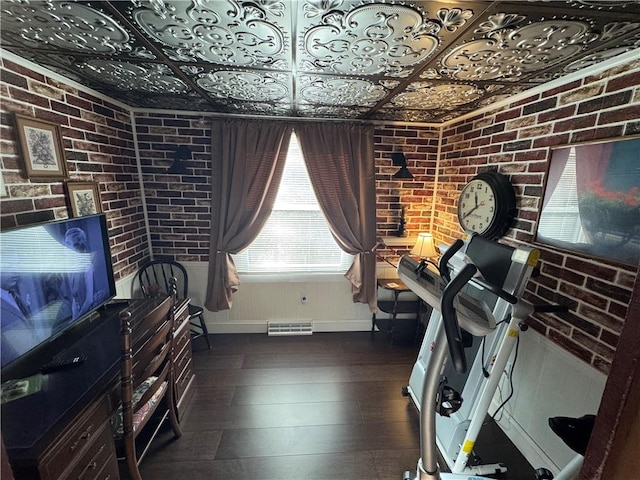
296,236
561,219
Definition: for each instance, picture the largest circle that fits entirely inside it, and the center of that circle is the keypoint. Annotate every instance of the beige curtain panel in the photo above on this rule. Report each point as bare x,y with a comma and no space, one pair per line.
340,161
248,160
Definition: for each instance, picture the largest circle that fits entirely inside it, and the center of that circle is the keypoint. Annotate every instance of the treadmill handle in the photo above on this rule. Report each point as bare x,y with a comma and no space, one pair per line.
512,299
444,260
450,319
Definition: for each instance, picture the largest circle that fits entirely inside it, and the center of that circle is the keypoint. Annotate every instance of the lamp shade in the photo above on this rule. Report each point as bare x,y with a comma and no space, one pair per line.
403,173
399,160
424,247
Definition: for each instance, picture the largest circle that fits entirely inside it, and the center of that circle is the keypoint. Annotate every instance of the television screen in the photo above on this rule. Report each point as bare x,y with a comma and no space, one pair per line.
53,275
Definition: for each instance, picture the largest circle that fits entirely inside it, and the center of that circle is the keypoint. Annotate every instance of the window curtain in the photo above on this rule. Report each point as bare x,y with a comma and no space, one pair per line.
592,163
340,162
559,160
248,160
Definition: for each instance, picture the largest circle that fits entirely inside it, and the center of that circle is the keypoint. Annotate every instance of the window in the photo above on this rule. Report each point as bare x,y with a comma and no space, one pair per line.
296,237
561,218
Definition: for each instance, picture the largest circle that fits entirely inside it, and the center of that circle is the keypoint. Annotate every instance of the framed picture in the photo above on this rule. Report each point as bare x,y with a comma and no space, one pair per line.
41,147
84,198
591,202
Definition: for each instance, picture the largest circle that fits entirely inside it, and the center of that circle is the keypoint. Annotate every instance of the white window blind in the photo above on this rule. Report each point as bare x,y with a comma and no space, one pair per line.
560,219
296,237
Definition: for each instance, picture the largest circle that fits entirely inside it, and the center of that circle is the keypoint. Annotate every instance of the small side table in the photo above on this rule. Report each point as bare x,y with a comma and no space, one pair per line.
395,306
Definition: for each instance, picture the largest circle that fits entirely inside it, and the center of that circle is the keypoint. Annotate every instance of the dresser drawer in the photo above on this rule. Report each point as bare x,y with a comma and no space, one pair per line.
181,360
77,441
95,459
182,339
183,378
110,470
181,315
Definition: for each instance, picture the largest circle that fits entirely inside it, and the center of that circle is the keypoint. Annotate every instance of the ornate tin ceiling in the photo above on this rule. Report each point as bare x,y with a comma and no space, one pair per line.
414,61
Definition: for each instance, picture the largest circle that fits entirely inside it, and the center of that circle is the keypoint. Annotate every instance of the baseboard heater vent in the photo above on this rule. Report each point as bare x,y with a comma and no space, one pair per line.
290,328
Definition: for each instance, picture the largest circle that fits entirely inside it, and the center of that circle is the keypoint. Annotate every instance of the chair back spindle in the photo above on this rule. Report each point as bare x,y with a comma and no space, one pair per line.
165,276
146,381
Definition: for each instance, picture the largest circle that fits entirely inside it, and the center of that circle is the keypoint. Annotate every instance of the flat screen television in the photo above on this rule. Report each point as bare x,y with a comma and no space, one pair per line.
54,277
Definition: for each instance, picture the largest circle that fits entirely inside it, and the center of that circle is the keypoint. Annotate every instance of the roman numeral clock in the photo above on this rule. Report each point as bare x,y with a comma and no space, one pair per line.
487,205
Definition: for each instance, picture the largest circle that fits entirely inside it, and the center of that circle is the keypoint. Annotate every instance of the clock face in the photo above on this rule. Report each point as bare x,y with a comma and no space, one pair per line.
487,205
476,207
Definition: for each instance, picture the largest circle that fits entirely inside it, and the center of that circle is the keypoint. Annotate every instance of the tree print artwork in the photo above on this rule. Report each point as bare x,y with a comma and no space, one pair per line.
41,148
85,203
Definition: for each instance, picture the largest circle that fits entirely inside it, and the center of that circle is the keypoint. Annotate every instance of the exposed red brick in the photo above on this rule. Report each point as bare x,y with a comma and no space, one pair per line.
609,338
556,114
27,97
609,290
593,345
604,102
13,79
572,346
540,106
618,310
575,123
598,270
596,133
504,137
24,71
620,115
562,88
583,295
551,140
629,80
508,115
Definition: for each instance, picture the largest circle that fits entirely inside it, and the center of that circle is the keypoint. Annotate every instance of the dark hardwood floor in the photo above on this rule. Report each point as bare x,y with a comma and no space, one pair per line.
326,406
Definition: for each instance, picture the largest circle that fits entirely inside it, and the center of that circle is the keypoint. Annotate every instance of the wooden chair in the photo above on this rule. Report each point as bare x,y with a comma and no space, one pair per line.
146,383
154,278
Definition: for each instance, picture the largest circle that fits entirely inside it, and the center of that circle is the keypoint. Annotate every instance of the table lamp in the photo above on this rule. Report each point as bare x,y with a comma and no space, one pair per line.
424,249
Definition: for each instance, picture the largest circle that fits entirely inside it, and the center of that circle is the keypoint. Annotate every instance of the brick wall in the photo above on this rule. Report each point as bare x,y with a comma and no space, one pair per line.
420,148
179,206
515,139
98,144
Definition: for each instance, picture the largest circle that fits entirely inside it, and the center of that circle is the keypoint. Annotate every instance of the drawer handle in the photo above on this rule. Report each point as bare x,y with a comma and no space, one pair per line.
83,437
93,463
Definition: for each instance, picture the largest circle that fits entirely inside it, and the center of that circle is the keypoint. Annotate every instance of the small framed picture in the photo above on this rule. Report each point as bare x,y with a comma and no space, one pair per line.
84,198
41,147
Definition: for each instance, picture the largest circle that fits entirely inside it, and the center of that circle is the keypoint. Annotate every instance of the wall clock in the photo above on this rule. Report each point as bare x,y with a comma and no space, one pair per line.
487,205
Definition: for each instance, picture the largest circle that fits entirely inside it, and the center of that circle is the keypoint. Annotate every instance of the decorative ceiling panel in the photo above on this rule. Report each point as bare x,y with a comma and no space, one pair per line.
413,61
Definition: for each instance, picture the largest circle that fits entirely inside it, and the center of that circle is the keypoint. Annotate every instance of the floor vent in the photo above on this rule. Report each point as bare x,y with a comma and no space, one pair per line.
290,328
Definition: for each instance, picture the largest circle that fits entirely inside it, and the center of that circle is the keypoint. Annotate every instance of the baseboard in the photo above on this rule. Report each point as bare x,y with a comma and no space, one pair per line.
522,441
355,325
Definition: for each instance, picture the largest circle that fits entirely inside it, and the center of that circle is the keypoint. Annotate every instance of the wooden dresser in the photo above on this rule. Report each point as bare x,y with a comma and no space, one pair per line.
182,357
64,431
85,450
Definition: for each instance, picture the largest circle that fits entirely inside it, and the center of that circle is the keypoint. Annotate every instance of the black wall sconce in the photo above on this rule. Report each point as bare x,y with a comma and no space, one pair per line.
182,153
399,160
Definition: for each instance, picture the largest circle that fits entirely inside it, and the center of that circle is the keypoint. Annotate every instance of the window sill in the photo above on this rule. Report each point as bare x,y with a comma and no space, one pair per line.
295,277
